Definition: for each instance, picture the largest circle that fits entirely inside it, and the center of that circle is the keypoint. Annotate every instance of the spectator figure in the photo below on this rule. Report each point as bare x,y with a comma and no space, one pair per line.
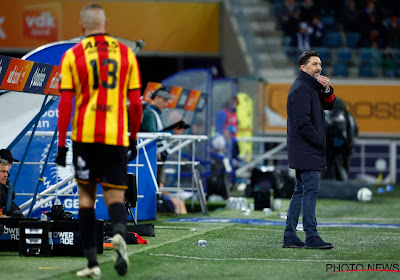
153,122
224,162
290,28
376,57
225,149
389,63
301,40
372,28
351,17
286,12
308,10
15,211
370,8
227,116
316,30
393,33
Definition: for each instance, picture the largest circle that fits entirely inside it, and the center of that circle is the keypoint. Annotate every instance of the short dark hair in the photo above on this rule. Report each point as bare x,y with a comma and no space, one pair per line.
305,56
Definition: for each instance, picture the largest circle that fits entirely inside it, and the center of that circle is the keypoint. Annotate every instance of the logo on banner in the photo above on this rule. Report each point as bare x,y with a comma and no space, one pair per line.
192,100
149,89
54,80
42,22
38,77
13,232
17,74
175,92
4,62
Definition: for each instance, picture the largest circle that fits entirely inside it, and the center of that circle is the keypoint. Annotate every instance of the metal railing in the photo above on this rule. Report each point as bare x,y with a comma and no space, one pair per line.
365,169
175,144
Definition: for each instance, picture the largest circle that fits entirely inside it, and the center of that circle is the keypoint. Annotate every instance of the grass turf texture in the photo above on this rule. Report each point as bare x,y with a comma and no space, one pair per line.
241,251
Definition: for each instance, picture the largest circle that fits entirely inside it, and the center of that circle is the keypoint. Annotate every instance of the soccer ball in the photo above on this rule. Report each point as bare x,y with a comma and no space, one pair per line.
364,195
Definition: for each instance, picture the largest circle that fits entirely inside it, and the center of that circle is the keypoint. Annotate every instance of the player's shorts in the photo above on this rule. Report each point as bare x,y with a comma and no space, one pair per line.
104,164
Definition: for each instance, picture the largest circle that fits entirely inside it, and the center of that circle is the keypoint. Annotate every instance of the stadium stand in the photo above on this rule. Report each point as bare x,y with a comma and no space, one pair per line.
352,39
344,55
333,40
360,45
340,70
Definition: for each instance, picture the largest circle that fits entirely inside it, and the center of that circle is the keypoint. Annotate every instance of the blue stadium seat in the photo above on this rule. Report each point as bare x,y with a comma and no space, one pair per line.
333,39
329,22
277,7
324,55
352,39
344,55
340,70
396,53
366,70
365,55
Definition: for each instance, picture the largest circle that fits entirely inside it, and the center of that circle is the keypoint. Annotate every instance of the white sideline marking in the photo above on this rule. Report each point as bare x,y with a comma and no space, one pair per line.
170,227
259,259
262,229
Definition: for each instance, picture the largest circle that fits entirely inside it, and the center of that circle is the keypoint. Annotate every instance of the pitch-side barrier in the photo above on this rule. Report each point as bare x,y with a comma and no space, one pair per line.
174,144
367,153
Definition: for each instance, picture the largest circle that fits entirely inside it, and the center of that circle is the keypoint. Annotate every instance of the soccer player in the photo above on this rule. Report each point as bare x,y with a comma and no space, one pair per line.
100,74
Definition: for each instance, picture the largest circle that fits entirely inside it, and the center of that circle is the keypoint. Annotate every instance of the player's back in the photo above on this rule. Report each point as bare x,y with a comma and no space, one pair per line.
101,71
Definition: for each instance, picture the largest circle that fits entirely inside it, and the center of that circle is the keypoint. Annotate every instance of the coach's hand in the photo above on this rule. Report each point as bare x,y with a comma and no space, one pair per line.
132,150
324,81
61,156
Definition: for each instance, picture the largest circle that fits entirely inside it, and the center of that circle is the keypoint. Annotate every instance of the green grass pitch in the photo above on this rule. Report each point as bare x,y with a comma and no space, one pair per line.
243,251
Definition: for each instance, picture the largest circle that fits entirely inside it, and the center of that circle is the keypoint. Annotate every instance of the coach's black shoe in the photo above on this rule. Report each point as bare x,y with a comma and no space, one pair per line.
292,242
316,242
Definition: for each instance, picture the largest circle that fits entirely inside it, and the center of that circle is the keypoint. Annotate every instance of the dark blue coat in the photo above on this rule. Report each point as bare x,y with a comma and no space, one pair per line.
306,128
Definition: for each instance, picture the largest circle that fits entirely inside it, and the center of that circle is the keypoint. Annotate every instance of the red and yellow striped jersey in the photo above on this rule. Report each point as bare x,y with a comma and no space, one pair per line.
100,70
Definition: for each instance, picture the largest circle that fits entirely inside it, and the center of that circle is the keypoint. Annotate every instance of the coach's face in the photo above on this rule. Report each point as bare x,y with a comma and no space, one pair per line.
313,67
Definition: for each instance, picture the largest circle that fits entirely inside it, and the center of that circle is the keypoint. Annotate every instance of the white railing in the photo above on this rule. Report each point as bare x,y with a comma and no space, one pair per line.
279,153
175,144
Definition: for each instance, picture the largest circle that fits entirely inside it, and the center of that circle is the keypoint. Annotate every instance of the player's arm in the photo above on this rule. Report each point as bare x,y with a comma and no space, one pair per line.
64,115
135,107
64,108
134,85
135,112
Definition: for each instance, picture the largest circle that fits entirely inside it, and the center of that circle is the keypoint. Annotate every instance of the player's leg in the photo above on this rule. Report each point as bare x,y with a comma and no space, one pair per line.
114,199
114,180
88,230
85,176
